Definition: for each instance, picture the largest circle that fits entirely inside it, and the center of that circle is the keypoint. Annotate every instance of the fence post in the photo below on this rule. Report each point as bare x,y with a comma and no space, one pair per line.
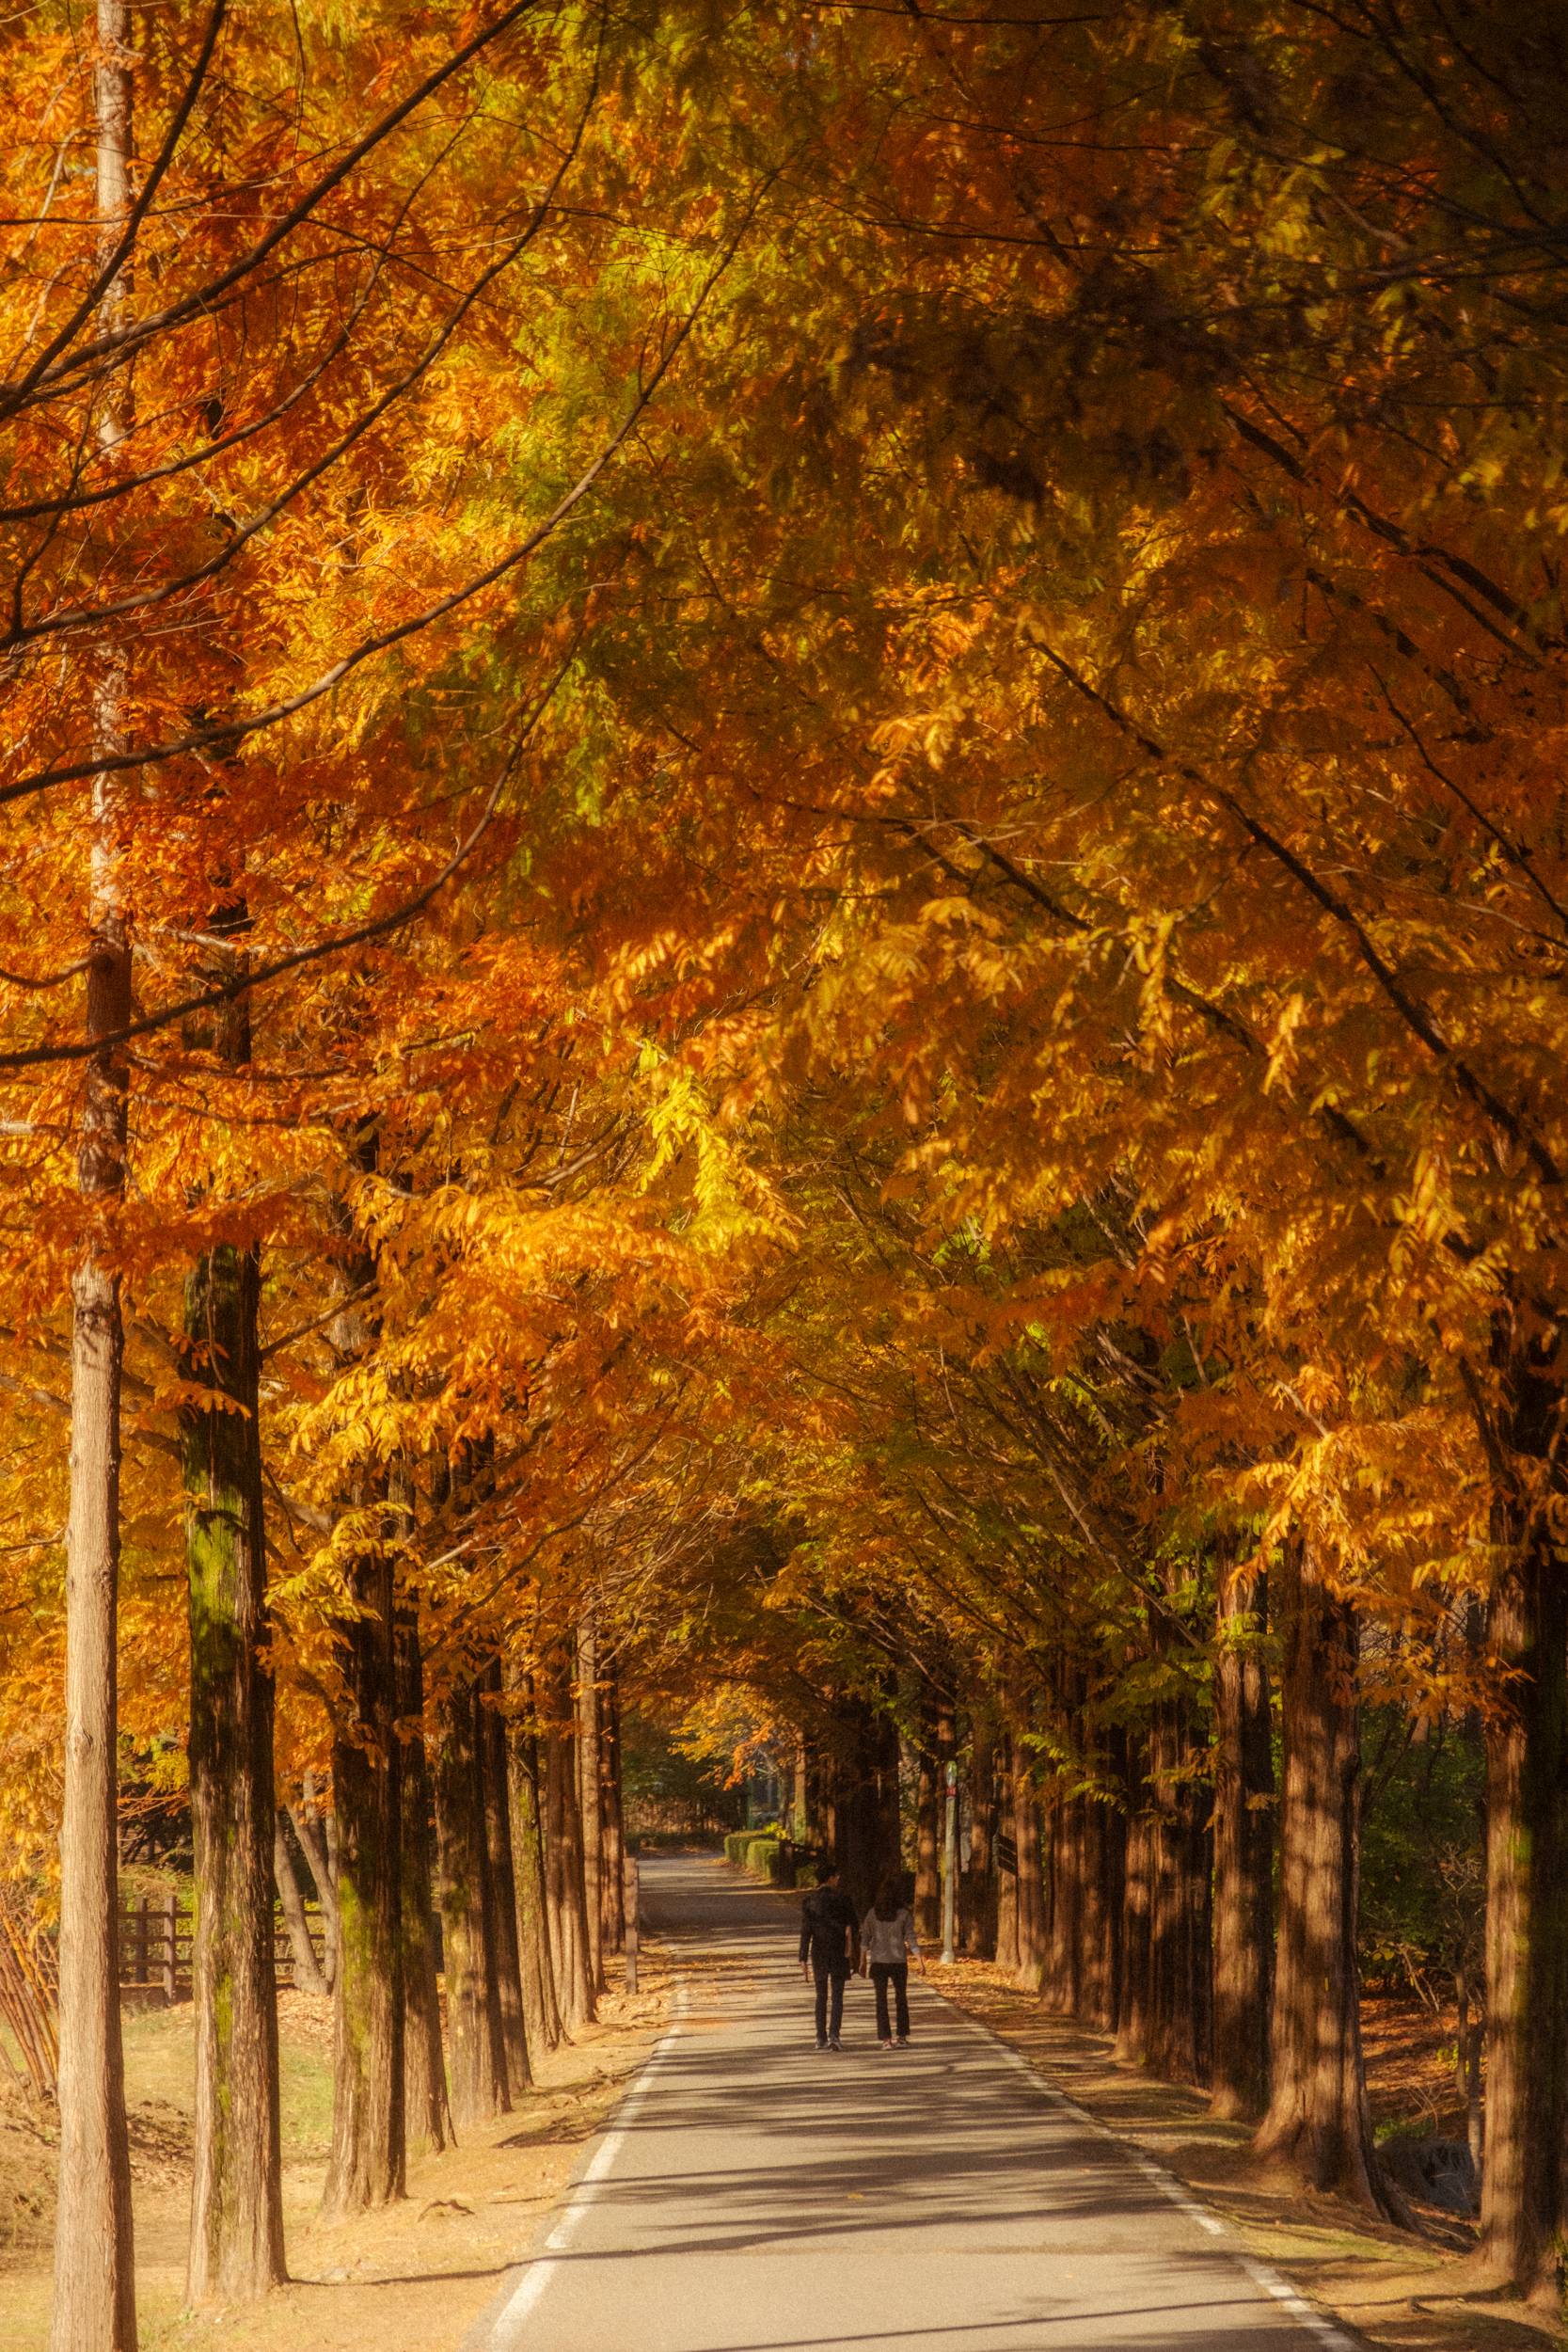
142,1962
631,1883
171,1955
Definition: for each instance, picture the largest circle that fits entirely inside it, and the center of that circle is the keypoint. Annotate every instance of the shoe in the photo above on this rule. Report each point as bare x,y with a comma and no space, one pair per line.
821,2040
887,2045
903,2042
833,2042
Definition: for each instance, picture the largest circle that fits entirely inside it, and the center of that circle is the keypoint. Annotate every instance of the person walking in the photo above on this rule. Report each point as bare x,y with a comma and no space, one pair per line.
888,1937
830,1950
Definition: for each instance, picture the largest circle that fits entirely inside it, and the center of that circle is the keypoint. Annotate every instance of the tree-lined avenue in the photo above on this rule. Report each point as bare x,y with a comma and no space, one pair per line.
763,2197
784,976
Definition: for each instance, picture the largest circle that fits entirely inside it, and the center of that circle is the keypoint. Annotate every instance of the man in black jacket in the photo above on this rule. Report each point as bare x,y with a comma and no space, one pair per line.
830,1948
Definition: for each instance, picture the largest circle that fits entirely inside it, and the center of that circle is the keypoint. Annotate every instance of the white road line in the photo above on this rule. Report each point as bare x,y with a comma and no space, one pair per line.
1304,2313
507,2328
1297,2305
506,2333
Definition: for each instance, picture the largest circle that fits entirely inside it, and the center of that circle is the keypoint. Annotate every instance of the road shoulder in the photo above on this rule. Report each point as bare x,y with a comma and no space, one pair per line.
1395,2293
414,2276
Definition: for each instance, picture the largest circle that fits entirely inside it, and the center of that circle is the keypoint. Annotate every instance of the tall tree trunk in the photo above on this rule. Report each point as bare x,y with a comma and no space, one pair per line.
1007,1871
540,2008
1176,2034
980,1915
1132,2043
94,2306
1099,1888
866,1804
368,2161
427,2106
799,1801
613,1809
367,2165
1525,2172
1523,2186
1244,1853
1199,1882
236,2246
308,1976
927,1831
502,1922
477,2072
1166,1924
567,1905
588,1795
1031,1879
1317,2119
1063,1854
315,1844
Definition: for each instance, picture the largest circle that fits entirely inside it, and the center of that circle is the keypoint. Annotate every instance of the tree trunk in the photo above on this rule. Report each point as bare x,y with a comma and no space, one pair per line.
612,1811
1006,1871
539,2009
1031,1879
308,1968
866,1808
427,2106
1317,2119
315,1844
1467,2069
1243,1854
1063,1885
367,2164
1176,2035
1527,1923
236,2246
927,1833
1198,1880
1162,2030
94,2306
1525,2174
799,1803
567,1907
501,1920
1099,1888
588,1795
478,2064
980,1918
1131,2044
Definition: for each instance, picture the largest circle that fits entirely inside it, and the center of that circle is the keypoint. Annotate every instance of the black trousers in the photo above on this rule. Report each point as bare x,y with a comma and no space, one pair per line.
827,1978
897,1972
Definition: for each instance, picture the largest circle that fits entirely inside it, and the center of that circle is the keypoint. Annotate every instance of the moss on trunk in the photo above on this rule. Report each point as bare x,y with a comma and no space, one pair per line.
367,2164
236,2247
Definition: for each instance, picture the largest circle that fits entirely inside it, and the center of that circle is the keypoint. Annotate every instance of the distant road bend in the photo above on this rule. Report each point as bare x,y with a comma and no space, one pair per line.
753,2196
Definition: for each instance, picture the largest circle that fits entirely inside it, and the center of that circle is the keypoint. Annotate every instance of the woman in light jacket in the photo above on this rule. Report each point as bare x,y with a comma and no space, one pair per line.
888,1941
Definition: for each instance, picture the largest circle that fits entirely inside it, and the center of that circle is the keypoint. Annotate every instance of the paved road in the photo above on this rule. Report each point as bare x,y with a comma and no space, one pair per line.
753,2196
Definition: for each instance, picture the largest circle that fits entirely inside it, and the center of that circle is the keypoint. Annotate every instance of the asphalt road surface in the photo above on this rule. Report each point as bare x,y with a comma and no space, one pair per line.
752,2195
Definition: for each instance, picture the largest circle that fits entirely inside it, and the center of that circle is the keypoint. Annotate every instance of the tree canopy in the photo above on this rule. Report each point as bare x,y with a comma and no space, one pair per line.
786,887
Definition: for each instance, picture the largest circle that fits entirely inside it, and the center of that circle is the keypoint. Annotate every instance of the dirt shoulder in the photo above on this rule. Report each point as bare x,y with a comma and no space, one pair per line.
1399,2292
413,2277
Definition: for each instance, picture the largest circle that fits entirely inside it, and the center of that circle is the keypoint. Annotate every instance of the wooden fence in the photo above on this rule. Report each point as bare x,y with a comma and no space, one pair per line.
155,1947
